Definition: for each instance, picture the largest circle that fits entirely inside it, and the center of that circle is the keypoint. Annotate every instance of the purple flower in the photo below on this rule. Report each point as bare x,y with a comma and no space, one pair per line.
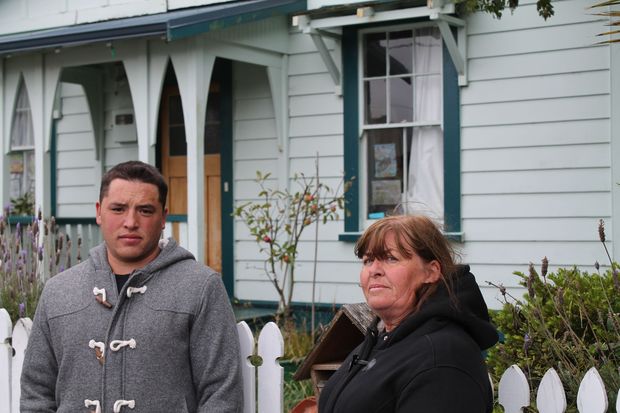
22,310
527,342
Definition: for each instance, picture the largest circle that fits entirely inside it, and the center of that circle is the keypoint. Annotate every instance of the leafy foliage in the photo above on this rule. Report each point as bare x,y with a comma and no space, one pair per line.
23,205
611,13
497,7
569,320
28,257
277,222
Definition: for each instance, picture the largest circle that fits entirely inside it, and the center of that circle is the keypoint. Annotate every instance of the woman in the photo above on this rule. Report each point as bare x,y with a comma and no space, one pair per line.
423,353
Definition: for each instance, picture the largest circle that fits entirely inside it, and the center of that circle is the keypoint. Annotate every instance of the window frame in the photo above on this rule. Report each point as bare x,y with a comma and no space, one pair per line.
364,127
23,151
353,131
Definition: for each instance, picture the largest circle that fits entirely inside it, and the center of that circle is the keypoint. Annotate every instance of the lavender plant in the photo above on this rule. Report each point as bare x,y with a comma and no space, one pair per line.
29,255
569,320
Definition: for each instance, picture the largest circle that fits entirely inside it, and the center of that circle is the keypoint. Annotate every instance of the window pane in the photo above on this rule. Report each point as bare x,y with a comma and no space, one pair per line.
29,173
374,54
21,168
385,170
427,50
212,139
401,52
375,98
401,99
428,101
178,145
21,129
175,109
212,122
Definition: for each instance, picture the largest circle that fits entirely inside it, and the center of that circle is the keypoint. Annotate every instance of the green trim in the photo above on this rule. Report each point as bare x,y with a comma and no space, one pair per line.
349,236
451,145
21,219
176,218
74,221
53,163
452,138
351,127
265,10
294,304
226,173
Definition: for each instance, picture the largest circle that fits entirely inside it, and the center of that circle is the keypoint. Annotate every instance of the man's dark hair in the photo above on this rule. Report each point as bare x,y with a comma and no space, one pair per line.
135,171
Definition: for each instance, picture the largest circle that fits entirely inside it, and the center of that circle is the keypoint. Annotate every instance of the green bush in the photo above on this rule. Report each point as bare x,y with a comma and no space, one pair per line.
568,320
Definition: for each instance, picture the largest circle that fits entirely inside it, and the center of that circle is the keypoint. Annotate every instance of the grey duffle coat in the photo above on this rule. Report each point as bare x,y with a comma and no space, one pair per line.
166,343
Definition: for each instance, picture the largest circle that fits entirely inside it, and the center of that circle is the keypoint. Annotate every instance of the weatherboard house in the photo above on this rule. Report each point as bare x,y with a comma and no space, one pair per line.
502,129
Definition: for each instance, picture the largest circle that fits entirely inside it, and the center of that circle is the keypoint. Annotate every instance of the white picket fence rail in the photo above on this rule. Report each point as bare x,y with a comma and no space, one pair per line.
513,388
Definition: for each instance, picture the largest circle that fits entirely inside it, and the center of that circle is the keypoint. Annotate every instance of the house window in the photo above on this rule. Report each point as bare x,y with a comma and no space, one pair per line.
401,125
402,104
21,155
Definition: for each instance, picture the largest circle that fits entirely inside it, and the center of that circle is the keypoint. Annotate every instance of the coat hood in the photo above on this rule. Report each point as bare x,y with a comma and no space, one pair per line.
170,254
465,307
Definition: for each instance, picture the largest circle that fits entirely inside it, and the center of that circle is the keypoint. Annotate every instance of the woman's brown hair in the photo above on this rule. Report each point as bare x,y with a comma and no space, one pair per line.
414,234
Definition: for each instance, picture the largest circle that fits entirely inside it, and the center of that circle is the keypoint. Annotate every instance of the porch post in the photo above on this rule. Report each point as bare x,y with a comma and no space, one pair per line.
138,68
194,70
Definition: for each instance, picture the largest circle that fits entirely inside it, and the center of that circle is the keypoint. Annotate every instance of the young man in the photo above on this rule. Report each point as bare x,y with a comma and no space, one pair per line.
140,326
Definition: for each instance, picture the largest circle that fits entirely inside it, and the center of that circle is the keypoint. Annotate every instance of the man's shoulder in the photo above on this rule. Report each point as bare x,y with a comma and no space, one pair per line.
71,276
190,270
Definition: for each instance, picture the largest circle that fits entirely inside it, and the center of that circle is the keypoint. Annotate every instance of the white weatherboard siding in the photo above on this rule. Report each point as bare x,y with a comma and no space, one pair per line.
76,191
254,148
78,169
535,143
315,126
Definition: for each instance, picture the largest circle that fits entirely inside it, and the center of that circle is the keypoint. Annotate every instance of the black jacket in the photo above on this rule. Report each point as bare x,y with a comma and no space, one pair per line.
431,363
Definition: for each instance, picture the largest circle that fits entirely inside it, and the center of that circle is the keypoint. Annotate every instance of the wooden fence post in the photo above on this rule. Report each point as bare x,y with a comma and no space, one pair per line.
270,373
6,355
550,397
513,391
248,371
592,397
21,332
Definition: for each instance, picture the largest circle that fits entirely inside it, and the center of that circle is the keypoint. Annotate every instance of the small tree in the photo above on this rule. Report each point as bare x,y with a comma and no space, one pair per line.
277,222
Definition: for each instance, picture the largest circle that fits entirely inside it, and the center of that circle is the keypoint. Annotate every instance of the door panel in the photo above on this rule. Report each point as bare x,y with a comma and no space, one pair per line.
174,168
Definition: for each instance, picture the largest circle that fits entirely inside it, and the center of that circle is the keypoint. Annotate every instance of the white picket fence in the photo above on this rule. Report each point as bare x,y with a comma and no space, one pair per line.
513,388
267,397
514,393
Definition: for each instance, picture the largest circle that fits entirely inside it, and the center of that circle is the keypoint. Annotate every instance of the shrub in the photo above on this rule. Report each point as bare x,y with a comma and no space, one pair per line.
568,320
29,255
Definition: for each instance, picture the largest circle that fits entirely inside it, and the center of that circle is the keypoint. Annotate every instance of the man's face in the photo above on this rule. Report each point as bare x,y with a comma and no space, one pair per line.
131,220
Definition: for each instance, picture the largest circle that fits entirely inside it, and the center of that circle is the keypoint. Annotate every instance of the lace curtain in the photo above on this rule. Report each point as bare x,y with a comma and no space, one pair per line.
424,193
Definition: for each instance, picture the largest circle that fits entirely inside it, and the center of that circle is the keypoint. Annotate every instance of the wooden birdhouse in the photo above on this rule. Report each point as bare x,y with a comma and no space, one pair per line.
345,332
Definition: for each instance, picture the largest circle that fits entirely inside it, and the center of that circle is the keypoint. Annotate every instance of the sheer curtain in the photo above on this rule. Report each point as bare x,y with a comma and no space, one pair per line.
425,180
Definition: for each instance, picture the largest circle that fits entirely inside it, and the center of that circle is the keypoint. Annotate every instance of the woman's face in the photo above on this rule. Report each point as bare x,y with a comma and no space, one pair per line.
390,284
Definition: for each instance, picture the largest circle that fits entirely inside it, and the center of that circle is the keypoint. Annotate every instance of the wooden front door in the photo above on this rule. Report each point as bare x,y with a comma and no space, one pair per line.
174,168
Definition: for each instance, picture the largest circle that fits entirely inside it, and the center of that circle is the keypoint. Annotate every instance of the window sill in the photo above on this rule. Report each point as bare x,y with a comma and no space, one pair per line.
349,236
455,236
354,236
